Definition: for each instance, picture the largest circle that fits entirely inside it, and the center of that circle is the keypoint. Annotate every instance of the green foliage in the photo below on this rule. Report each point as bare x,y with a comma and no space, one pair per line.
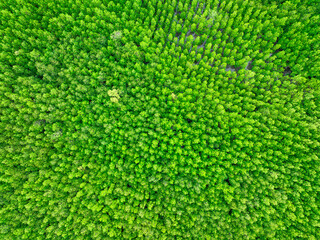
159,119
116,35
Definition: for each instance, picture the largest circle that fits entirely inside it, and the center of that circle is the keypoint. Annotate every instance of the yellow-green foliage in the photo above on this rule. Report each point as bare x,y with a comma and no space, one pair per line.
159,119
114,95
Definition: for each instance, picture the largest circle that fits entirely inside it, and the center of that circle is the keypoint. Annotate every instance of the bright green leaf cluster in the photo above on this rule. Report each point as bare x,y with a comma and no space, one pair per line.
159,119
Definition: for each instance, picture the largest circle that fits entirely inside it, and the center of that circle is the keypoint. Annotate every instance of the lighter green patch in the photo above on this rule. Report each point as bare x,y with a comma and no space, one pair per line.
114,95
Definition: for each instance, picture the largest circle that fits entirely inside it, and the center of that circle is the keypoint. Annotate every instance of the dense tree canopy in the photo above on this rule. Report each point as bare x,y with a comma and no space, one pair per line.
159,119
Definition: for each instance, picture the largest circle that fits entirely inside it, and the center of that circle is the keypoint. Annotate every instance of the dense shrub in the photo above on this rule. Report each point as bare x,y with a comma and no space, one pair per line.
159,119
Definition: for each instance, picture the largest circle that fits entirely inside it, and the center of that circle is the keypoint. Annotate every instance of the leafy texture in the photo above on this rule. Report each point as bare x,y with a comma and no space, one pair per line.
159,119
